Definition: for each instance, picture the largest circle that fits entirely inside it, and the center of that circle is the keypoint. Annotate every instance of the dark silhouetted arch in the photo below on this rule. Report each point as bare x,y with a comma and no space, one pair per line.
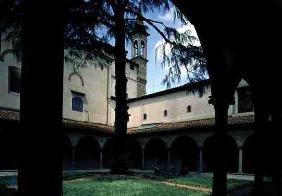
231,154
156,154
67,153
184,153
8,150
87,153
134,153
249,154
108,153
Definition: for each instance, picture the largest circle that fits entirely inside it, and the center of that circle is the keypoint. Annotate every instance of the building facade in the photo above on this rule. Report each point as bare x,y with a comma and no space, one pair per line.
171,127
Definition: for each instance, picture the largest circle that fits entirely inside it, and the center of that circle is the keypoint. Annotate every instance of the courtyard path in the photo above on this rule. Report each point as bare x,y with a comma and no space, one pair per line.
195,188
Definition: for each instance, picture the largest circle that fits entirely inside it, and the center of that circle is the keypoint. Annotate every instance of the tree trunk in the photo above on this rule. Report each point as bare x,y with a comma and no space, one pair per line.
40,164
121,115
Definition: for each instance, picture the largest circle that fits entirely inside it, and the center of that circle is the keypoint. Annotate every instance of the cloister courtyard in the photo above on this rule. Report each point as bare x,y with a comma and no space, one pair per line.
82,182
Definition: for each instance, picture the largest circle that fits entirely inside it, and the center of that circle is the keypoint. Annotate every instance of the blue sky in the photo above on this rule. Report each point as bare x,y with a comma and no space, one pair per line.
155,72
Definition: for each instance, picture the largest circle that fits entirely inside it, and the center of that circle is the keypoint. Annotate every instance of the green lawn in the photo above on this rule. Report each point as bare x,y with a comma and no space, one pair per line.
122,186
86,184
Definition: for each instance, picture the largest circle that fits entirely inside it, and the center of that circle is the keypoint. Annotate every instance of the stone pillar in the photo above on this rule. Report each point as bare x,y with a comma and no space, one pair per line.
200,161
219,187
168,156
143,158
101,158
240,166
73,157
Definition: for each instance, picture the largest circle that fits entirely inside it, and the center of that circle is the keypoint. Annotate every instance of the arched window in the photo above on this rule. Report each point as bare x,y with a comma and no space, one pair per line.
145,116
188,109
142,47
136,48
14,80
245,103
165,113
77,104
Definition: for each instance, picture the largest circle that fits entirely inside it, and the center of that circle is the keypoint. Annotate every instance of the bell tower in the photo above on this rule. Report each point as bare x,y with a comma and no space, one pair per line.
139,37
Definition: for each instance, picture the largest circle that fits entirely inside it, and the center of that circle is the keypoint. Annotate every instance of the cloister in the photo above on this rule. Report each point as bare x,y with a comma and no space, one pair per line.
190,147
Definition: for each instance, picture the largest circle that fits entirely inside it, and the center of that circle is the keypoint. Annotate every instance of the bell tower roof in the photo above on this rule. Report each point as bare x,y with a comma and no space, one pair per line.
139,27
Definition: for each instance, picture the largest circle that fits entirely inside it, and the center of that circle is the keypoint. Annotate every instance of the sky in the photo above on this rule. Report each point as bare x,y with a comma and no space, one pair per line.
155,71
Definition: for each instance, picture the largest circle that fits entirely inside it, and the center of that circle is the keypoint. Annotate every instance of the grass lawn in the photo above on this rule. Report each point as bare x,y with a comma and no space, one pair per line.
86,184
122,186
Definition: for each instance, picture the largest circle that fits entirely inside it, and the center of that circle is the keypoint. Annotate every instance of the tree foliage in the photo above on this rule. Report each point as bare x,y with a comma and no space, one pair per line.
179,52
90,25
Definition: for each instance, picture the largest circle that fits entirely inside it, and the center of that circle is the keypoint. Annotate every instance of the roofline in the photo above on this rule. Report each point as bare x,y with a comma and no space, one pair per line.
188,86
139,57
132,62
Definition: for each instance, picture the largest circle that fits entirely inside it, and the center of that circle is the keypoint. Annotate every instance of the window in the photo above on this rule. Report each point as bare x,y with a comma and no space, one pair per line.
77,104
142,48
188,109
131,66
165,113
145,116
14,80
244,100
77,101
136,48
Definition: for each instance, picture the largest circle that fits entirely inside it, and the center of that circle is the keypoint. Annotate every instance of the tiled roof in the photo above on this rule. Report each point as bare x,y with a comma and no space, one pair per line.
14,115
9,114
86,125
194,87
204,123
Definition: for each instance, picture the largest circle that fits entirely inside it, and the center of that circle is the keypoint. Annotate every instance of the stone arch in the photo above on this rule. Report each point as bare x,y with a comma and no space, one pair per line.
87,153
136,47
142,48
231,153
5,52
134,154
107,153
67,153
184,153
8,150
249,154
78,75
155,154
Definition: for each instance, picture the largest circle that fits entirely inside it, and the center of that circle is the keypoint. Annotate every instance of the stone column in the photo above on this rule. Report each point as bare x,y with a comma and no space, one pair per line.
168,156
143,158
219,187
101,158
240,166
200,166
73,157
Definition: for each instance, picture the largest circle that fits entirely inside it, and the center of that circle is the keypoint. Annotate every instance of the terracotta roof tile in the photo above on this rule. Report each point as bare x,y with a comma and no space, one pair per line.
204,123
14,115
9,114
86,125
